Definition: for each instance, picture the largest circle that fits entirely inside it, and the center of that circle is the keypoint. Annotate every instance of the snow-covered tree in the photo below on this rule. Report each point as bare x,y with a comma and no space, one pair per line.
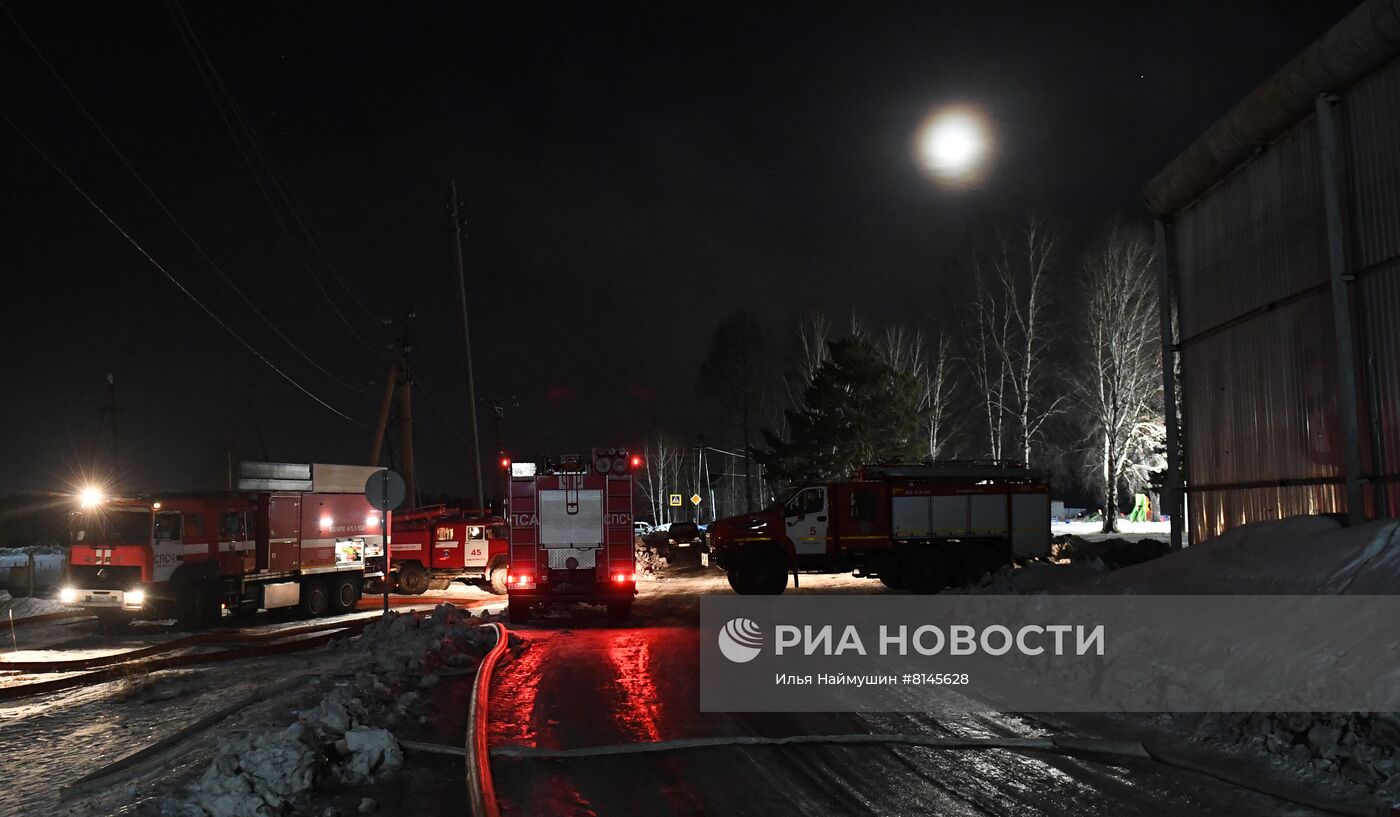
1118,384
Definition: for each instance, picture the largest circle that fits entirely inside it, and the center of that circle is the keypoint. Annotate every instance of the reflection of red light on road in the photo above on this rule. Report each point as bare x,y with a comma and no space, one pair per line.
637,710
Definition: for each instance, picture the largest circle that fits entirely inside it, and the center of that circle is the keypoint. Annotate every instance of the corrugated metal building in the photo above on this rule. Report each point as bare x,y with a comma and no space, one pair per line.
1279,240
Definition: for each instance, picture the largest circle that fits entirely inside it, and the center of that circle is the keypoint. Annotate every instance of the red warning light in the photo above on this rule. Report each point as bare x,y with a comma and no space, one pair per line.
636,461
505,463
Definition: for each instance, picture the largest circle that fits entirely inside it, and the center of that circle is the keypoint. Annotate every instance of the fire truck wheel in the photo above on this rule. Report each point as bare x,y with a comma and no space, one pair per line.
197,605
345,592
315,600
759,572
497,583
519,612
619,610
413,579
926,571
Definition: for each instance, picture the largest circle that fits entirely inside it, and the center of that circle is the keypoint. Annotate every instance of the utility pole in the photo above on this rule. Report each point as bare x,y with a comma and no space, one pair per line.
499,408
398,386
107,418
466,339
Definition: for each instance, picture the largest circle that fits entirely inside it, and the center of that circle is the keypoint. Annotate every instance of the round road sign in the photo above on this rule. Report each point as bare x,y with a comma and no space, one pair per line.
384,490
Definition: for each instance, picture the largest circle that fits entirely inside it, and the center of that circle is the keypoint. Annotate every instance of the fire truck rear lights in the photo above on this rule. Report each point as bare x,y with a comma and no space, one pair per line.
636,461
505,463
524,581
621,578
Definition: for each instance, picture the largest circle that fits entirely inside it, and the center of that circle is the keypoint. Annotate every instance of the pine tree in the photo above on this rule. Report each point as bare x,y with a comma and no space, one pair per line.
858,409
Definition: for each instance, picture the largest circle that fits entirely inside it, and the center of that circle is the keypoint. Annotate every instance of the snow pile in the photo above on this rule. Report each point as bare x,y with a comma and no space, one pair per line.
26,607
1032,577
1114,551
410,642
1298,555
648,563
1360,748
342,737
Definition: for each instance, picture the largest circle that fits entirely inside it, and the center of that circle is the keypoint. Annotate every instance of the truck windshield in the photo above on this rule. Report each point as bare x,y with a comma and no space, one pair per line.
112,526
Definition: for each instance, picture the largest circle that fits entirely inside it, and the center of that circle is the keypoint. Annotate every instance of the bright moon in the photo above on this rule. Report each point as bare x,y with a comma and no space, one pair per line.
952,143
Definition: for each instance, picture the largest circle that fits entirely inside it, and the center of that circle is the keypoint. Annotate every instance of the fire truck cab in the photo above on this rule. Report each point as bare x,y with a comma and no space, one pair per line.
432,547
921,527
571,537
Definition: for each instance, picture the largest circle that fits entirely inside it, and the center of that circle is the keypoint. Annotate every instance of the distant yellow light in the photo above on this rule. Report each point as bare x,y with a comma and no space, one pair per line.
91,497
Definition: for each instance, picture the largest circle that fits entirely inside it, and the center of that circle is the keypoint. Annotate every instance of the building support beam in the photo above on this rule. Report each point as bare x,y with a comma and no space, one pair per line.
1333,202
1173,498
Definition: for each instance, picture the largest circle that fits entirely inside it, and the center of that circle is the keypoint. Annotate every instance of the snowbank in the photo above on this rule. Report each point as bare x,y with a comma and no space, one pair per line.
341,735
26,607
1298,555
1306,555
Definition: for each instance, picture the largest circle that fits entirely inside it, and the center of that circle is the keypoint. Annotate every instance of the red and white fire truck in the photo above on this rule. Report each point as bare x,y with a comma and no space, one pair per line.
294,535
435,546
571,536
920,526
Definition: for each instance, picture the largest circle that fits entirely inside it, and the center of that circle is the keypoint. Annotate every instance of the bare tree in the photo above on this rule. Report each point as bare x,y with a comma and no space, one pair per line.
986,335
659,480
908,352
813,334
1119,382
1007,333
940,399
735,376
1024,267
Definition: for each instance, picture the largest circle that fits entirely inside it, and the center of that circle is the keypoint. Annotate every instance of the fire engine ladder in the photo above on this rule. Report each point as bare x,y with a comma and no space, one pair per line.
571,499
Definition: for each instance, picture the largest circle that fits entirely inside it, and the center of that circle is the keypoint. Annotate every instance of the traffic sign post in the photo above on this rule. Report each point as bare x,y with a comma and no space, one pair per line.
675,500
695,500
385,491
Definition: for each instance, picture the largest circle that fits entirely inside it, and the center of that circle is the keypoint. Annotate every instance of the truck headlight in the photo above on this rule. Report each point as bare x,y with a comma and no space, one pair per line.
134,598
68,595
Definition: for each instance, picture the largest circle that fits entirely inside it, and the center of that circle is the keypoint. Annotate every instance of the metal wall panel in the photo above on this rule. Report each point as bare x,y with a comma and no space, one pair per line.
1213,512
1372,116
1256,239
1262,398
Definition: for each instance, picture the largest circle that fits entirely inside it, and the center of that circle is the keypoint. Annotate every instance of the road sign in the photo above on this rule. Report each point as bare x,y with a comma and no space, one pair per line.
695,499
384,490
675,500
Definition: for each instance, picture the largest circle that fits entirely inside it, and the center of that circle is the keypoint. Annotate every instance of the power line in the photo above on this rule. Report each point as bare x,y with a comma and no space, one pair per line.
288,195
81,192
202,62
92,120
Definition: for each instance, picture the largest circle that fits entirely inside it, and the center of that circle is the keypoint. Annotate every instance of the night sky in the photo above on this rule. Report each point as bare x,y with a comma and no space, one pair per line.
628,174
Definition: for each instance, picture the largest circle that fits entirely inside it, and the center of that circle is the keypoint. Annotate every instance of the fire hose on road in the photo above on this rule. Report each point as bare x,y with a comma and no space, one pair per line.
1117,749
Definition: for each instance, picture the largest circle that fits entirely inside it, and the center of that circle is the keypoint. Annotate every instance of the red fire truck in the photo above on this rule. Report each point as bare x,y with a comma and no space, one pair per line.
571,534
294,535
922,527
434,546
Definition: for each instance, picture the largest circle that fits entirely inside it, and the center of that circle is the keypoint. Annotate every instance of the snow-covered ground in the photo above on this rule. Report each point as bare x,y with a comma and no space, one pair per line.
1353,754
52,740
11,607
1091,530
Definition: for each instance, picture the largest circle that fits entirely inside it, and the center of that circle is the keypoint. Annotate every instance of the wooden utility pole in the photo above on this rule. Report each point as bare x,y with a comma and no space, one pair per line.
107,413
466,340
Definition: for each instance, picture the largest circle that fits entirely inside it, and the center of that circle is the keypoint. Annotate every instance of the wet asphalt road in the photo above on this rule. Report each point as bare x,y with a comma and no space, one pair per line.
586,682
